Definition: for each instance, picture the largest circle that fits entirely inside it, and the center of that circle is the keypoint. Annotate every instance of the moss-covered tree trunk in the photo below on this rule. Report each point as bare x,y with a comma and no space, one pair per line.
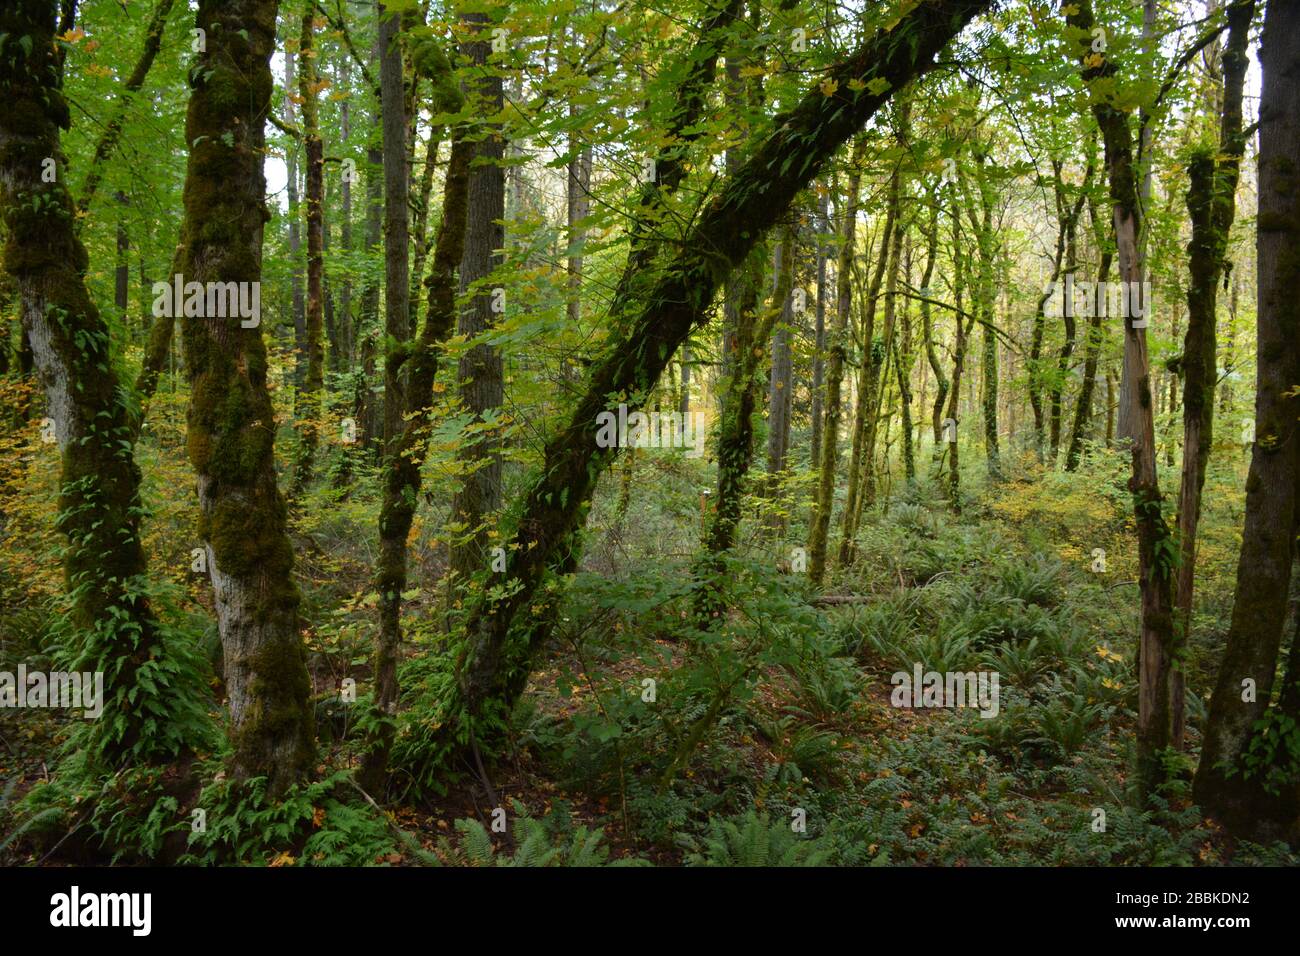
99,503
1211,203
492,670
1156,551
824,502
1256,806
736,432
231,433
941,383
822,227
882,353
407,450
867,373
1091,354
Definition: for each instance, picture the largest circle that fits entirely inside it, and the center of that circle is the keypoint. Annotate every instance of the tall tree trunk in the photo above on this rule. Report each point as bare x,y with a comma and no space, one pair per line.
882,357
779,404
492,670
941,382
904,359
367,404
958,367
1158,646
481,373
819,527
295,235
242,520
309,405
736,432
1091,354
407,450
1211,203
822,227
1254,806
867,373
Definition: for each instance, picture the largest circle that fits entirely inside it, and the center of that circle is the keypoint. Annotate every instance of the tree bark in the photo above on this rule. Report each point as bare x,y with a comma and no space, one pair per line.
113,628
481,373
242,518
309,403
1211,203
1156,558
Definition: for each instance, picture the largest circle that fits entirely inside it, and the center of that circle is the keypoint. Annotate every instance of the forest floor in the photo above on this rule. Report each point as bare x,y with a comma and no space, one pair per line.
771,738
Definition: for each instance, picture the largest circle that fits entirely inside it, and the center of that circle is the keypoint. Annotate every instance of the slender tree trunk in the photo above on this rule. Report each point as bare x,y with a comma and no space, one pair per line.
309,404
1158,646
295,236
1211,203
407,451
736,432
867,374
819,527
481,373
780,380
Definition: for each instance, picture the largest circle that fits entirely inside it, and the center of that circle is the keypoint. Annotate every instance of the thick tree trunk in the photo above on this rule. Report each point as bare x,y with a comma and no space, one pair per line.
1250,805
242,520
493,671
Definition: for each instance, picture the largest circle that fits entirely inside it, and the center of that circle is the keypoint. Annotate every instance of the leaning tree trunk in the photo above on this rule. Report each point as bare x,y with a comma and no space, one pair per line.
1253,806
1158,646
1211,203
242,520
492,670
